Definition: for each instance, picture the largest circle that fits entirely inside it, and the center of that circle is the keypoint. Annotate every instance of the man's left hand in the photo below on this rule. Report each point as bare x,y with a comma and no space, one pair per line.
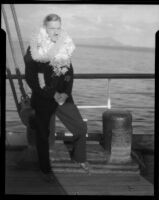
63,97
60,98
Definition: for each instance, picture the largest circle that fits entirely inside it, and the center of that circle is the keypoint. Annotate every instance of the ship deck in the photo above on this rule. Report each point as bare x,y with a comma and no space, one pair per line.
70,179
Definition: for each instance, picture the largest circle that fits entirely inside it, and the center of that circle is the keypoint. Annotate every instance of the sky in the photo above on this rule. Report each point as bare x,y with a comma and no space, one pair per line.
133,25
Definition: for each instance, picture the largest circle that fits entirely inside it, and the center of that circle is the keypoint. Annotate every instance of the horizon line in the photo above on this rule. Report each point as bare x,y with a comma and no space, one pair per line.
107,45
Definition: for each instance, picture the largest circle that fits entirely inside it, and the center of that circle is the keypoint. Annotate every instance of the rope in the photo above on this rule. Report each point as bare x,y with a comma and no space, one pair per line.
13,55
17,29
13,89
18,34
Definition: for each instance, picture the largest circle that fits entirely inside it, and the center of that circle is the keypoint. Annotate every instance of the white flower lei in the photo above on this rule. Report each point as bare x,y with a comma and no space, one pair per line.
58,54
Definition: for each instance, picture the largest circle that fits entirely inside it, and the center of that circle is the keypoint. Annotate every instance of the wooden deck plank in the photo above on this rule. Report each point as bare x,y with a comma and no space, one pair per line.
105,185
61,161
71,179
118,190
28,181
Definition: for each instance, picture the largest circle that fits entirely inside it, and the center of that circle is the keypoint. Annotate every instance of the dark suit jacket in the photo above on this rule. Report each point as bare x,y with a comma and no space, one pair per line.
43,98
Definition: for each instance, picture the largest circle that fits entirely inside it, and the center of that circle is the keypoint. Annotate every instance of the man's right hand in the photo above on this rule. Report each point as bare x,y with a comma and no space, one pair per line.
60,98
57,96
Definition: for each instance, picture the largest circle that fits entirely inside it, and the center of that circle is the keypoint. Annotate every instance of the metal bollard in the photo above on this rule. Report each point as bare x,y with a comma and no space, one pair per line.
117,135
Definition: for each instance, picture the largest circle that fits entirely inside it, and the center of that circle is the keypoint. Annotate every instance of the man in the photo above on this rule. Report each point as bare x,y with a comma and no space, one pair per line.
43,57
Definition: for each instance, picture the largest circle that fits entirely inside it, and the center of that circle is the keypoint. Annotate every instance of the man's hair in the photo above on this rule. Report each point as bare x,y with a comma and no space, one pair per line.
51,17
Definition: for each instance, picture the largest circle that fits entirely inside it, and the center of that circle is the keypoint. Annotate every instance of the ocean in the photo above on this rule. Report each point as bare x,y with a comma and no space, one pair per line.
135,95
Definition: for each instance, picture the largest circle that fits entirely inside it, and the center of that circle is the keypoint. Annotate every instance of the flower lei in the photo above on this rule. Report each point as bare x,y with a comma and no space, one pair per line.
57,54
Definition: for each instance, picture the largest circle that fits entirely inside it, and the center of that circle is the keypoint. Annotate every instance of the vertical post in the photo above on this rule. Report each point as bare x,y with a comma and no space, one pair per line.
108,95
117,135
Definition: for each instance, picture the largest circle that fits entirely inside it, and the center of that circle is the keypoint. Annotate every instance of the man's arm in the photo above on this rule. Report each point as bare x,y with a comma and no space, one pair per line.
32,80
68,81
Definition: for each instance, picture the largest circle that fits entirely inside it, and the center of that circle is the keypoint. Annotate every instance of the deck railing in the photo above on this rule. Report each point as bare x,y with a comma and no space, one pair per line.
105,76
108,76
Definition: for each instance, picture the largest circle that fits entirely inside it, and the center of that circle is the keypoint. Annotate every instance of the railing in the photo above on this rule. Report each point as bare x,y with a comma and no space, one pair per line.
102,76
105,76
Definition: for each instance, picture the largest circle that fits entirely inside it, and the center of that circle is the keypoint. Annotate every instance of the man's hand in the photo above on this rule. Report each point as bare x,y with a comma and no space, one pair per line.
41,80
60,98
57,96
63,97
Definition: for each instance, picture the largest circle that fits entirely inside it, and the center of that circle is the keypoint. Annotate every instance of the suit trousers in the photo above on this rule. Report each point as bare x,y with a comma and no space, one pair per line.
70,116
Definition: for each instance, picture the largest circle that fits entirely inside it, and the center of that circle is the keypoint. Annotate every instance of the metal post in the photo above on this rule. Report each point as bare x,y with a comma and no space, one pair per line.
108,95
117,134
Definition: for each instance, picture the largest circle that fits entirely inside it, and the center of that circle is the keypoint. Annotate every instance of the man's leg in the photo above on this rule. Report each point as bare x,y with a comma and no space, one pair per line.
52,126
42,143
70,116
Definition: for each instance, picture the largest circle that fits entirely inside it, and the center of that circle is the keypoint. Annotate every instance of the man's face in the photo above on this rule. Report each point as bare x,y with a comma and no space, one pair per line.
53,29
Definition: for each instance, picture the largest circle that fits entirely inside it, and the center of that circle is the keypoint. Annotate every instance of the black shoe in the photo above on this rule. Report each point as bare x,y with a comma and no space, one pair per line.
84,165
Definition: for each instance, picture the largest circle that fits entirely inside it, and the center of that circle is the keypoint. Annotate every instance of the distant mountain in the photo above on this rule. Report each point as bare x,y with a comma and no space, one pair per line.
101,43
106,41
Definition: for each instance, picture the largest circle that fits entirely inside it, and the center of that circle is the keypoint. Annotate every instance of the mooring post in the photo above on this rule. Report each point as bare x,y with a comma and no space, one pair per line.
117,135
